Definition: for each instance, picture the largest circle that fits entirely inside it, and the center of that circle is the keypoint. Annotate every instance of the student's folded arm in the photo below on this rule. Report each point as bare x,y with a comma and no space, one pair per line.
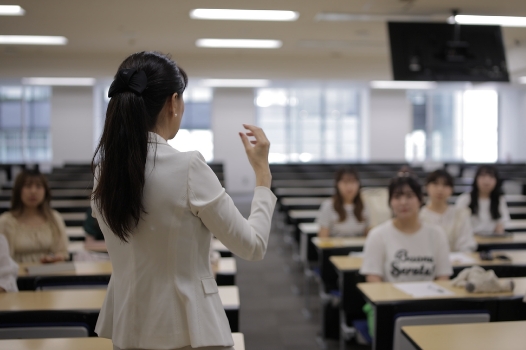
247,238
443,268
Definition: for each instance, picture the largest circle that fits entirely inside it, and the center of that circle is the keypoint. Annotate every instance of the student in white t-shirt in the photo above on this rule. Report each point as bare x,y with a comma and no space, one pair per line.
344,214
456,222
404,249
489,211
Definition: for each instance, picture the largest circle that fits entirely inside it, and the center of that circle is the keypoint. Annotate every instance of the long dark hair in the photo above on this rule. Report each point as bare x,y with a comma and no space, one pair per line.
17,205
337,199
123,147
494,195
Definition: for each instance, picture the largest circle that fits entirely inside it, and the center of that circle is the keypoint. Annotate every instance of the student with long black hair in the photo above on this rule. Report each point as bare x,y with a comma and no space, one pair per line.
405,249
456,222
158,208
489,211
344,214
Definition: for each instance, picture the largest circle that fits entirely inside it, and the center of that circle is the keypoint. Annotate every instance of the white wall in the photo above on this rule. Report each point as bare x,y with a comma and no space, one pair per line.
72,124
231,108
389,122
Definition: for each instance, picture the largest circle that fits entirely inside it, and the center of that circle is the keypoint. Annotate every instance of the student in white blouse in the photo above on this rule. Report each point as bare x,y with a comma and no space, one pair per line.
344,214
405,249
489,211
158,209
456,222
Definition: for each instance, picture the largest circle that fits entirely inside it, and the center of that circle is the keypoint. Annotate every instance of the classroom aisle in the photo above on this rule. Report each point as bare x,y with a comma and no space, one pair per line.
271,314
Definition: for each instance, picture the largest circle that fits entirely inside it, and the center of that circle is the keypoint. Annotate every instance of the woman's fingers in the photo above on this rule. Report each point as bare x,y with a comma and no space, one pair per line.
245,140
258,133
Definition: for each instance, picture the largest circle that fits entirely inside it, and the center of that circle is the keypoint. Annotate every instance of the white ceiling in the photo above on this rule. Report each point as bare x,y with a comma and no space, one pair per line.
101,29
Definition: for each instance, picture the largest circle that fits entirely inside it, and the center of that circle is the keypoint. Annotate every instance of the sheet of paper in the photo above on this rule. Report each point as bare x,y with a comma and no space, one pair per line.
461,258
423,289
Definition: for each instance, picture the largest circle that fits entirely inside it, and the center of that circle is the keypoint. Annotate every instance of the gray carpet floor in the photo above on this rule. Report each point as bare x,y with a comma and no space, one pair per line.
271,316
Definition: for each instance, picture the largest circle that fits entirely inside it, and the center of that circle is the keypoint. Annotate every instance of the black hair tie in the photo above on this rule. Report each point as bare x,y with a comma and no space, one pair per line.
133,80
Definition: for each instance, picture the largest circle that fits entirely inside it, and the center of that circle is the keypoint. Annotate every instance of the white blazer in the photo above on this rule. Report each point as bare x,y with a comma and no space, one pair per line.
162,293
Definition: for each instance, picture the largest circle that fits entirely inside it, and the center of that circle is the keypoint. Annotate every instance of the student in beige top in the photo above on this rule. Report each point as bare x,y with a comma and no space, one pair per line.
34,231
456,222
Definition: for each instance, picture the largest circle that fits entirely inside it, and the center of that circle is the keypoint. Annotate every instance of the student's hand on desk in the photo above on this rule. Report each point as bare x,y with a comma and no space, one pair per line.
257,153
499,229
51,259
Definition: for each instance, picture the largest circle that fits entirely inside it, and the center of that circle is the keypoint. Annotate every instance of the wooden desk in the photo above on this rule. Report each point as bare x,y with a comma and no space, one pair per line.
47,303
92,343
476,336
99,272
516,225
389,301
516,240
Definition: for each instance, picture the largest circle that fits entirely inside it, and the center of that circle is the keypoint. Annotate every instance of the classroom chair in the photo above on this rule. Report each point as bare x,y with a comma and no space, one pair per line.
435,318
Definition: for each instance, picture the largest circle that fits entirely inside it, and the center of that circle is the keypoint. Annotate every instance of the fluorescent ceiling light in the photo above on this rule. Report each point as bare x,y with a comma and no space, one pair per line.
352,17
405,85
11,10
239,43
59,81
505,21
244,15
32,40
235,82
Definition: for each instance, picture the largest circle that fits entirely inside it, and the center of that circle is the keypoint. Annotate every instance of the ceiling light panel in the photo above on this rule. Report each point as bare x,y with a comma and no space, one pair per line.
59,81
505,21
404,85
239,43
11,10
244,15
238,83
32,40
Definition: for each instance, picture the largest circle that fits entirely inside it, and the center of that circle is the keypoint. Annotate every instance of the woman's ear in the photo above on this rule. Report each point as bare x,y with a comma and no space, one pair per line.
175,103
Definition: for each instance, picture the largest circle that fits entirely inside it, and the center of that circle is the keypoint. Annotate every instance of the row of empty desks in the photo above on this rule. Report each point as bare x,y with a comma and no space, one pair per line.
81,343
26,307
389,301
98,273
56,194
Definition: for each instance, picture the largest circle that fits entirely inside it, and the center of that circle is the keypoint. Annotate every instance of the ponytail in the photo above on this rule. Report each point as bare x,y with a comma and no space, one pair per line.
123,148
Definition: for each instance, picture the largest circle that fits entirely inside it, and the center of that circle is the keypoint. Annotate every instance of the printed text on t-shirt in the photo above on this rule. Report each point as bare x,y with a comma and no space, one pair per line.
404,264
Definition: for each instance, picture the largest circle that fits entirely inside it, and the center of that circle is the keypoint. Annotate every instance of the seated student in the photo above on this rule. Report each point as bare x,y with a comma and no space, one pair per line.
35,232
489,211
344,214
8,268
456,222
405,249
92,228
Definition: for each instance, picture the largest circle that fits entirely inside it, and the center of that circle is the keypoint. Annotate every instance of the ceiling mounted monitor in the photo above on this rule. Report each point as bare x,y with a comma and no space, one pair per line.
447,52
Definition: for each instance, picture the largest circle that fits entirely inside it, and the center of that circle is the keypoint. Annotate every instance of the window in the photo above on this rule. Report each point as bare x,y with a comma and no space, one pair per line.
25,120
310,124
195,131
453,125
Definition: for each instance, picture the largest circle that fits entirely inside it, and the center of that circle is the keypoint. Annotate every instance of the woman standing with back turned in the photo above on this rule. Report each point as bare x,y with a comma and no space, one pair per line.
158,208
